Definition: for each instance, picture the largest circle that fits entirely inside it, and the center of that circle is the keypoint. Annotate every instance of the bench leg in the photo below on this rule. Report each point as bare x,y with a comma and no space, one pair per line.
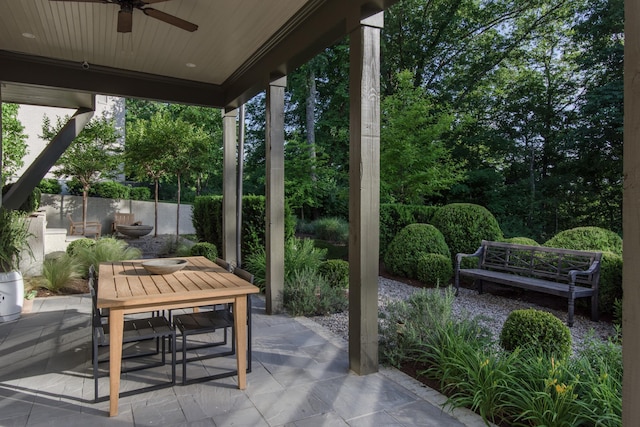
595,314
478,284
571,308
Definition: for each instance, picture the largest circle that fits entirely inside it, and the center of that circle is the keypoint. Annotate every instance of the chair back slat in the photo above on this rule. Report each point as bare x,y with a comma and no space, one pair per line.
243,274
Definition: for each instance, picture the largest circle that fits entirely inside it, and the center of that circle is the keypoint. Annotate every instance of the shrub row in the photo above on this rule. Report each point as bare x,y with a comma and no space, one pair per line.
105,189
207,221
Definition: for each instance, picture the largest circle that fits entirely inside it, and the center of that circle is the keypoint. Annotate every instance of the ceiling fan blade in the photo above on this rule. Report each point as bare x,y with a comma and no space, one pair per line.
170,19
84,1
125,21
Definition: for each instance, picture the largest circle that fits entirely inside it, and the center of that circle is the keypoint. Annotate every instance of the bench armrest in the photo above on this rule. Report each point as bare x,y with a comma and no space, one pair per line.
594,268
459,256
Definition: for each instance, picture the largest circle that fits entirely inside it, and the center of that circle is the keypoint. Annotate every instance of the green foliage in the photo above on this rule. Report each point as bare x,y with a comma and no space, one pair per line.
409,245
139,193
207,221
75,245
587,239
521,241
106,249
465,225
50,186
537,329
336,271
14,142
299,254
14,232
394,217
434,269
333,229
32,202
414,161
58,272
110,190
205,249
605,241
307,293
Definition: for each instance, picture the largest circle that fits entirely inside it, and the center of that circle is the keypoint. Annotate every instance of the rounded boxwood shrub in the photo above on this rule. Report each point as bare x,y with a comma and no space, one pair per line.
587,239
537,329
205,249
409,245
336,271
465,225
522,241
75,245
435,269
139,193
602,240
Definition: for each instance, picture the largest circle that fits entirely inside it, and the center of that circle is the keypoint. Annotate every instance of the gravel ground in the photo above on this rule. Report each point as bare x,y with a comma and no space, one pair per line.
491,309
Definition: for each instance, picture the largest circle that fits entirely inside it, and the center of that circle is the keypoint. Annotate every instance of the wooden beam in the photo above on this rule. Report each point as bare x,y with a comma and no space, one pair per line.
229,189
275,195
364,194
630,218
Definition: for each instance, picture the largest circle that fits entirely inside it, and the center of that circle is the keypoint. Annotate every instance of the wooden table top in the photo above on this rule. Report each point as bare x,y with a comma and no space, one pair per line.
126,284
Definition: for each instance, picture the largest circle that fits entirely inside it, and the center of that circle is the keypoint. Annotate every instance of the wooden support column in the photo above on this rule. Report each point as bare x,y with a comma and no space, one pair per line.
275,195
229,186
364,194
631,217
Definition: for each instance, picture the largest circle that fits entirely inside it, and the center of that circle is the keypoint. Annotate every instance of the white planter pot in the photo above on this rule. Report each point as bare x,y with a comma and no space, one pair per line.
11,295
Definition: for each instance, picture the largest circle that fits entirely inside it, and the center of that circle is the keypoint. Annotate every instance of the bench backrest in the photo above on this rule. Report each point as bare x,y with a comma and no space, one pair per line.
538,261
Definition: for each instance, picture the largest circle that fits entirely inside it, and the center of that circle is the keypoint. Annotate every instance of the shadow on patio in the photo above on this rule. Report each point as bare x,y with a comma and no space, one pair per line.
299,377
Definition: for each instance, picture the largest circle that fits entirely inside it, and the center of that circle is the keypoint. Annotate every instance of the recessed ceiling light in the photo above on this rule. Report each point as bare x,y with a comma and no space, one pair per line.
190,65
28,36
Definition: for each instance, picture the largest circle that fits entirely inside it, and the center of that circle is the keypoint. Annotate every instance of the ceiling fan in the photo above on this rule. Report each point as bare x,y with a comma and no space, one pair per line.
125,15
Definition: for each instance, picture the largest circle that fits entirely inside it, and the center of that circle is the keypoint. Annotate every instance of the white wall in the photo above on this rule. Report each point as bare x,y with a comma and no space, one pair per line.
58,206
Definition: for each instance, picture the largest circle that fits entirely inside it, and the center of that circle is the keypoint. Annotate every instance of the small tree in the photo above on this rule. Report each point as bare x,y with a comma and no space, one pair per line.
93,155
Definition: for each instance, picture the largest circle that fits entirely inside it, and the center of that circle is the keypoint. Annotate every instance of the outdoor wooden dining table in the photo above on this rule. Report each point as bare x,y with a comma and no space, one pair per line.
126,287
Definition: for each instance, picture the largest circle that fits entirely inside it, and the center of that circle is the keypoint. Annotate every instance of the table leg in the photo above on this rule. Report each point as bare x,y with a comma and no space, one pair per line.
116,328
240,322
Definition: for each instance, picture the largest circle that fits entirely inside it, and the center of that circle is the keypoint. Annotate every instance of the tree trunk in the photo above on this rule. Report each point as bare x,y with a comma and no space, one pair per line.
178,212
310,126
85,202
155,224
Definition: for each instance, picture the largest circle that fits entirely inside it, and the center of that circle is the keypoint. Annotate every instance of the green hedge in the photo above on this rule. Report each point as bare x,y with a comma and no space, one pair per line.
408,247
50,186
394,217
207,221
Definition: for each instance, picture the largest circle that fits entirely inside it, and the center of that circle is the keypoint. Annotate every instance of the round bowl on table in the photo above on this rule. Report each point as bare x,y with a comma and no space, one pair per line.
134,230
164,266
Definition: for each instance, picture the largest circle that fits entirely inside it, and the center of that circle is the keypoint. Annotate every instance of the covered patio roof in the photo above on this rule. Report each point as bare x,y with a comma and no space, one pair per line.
237,49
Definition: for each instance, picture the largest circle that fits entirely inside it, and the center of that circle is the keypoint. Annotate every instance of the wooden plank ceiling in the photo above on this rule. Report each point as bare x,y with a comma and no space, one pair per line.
238,47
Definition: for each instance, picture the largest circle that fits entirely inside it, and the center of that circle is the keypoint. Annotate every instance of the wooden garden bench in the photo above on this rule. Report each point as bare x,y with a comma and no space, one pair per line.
562,272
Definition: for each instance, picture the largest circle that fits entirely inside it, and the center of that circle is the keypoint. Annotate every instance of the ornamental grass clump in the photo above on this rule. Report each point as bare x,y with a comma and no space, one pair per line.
106,249
536,329
59,272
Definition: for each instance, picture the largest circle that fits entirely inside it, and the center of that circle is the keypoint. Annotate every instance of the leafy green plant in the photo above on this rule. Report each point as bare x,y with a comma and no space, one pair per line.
14,232
75,245
110,190
434,269
405,326
139,193
465,225
332,229
587,239
50,186
336,271
394,217
58,272
538,329
299,254
411,243
306,293
205,249
106,249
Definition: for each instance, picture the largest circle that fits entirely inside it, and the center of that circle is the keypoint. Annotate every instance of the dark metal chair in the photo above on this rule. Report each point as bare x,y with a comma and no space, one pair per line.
206,322
135,330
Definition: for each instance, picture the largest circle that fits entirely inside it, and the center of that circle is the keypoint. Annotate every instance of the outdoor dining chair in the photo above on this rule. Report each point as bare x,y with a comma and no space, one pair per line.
135,331
208,322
